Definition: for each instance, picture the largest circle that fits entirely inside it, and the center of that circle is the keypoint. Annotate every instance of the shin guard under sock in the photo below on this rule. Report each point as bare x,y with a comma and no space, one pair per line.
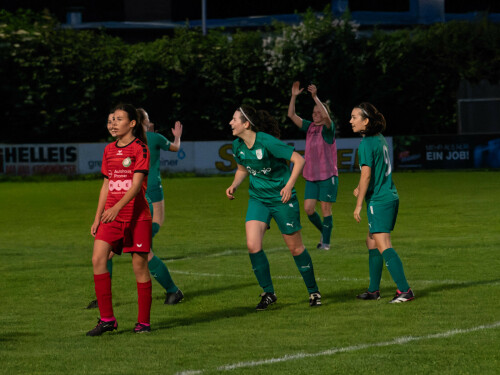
262,271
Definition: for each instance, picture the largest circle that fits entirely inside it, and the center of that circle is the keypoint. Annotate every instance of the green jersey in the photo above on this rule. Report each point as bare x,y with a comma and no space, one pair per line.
156,142
374,153
266,163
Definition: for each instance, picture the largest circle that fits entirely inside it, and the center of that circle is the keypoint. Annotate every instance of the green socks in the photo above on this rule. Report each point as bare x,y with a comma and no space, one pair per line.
305,266
159,271
260,266
327,229
325,226
395,267
316,220
375,264
109,266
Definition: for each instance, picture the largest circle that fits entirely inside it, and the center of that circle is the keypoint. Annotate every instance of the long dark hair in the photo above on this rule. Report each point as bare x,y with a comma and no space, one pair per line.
376,120
260,121
134,114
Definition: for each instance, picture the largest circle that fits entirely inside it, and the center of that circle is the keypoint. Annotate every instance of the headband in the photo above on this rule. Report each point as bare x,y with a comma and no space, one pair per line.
248,118
365,113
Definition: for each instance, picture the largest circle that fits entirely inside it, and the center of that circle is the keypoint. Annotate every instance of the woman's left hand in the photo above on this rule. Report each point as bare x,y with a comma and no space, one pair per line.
177,130
357,212
286,194
109,215
313,90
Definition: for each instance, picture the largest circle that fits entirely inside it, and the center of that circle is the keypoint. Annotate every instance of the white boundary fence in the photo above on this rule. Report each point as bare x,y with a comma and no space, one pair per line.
214,157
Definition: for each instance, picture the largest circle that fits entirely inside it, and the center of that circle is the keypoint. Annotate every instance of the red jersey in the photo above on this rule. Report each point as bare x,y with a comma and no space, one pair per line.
119,165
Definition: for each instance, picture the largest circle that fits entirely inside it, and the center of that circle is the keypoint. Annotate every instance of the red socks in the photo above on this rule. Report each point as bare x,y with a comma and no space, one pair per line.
103,294
144,299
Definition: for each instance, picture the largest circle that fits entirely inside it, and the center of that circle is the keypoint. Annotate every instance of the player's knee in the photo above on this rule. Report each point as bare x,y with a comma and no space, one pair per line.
254,246
326,210
309,210
99,263
297,250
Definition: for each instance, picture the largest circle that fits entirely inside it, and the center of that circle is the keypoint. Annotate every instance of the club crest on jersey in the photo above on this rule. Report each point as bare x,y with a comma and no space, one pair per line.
258,153
127,162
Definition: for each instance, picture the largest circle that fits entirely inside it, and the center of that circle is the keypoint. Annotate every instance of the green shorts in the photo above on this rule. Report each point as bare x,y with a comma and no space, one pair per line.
286,215
323,191
155,194
382,216
150,204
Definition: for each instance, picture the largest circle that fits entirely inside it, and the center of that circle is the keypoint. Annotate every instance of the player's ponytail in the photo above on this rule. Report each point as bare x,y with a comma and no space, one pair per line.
376,120
260,121
134,115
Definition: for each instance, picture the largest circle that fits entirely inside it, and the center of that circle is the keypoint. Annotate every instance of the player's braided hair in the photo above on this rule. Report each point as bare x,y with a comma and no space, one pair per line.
376,120
260,121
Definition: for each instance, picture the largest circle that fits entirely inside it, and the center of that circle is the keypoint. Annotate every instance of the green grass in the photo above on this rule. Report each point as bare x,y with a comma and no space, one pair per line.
448,236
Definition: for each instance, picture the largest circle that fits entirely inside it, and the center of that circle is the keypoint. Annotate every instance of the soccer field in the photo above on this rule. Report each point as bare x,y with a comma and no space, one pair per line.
447,235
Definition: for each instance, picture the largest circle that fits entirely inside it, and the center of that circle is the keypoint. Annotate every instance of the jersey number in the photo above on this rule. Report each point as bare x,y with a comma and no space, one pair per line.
387,161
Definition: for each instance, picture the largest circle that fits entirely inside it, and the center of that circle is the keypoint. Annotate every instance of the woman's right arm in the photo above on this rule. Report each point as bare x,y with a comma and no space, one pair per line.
239,176
364,182
103,195
296,90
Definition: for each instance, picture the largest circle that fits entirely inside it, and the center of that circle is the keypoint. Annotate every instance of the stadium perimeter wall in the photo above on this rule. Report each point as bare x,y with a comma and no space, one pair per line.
215,157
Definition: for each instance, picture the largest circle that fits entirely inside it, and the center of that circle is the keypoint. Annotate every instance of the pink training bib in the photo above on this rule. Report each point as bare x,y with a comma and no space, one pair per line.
320,156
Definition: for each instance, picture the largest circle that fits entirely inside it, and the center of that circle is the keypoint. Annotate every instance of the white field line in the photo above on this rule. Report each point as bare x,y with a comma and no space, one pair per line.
298,277
251,276
397,341
225,253
276,249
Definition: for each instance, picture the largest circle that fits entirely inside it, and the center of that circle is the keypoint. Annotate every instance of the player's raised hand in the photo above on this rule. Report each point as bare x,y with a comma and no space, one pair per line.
313,90
177,129
296,90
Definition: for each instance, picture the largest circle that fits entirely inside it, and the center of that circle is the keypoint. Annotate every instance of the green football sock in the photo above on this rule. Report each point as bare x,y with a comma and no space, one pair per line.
159,271
260,266
375,265
155,229
109,266
316,220
395,267
327,229
306,269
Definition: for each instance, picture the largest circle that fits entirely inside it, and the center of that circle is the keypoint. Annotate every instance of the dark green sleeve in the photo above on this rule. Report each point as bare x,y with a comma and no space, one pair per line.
329,134
305,125
235,152
365,154
277,148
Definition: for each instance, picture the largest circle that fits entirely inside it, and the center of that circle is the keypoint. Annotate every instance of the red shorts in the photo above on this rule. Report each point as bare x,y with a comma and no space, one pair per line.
130,237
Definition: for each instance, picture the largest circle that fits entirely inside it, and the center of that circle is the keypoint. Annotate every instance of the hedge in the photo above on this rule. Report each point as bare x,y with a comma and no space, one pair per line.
58,84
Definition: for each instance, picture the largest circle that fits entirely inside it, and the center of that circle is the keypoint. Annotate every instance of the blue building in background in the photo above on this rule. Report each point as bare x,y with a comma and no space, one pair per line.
161,16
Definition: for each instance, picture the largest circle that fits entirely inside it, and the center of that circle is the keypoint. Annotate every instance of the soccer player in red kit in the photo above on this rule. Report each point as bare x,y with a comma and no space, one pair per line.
123,220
